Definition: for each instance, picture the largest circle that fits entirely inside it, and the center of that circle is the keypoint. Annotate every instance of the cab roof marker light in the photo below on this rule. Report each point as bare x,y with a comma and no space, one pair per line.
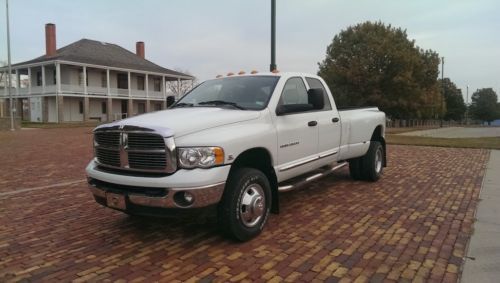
230,74
275,71
241,73
253,72
218,76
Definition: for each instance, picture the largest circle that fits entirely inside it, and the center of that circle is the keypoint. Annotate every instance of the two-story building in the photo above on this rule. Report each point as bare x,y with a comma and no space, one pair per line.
88,80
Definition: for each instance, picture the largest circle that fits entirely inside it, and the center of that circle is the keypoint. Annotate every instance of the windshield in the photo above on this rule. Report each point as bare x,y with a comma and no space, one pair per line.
252,93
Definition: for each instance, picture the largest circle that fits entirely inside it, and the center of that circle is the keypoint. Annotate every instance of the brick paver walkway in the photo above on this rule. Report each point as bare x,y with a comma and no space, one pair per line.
413,224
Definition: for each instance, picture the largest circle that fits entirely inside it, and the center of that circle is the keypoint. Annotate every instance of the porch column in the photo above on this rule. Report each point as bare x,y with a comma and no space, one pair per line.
163,89
147,86
128,82
85,80
109,108
29,80
43,79
130,107
18,84
45,109
108,85
86,108
58,78
60,108
178,88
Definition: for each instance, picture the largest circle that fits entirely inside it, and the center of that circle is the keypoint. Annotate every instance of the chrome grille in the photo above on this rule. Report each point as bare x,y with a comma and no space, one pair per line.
145,141
108,156
133,150
141,160
108,139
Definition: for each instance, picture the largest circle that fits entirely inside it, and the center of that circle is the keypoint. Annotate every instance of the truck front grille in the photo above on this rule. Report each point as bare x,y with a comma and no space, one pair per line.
135,151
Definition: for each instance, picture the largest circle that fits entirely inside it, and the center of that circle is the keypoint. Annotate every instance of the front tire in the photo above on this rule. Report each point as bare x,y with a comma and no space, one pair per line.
244,208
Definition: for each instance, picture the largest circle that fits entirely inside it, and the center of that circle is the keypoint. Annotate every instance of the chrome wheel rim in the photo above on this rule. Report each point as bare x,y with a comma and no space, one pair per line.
252,205
378,160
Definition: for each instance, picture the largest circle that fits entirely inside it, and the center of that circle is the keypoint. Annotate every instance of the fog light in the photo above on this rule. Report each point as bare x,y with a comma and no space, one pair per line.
188,197
183,199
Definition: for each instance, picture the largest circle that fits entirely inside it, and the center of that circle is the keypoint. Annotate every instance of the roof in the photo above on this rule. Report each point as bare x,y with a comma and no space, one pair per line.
104,54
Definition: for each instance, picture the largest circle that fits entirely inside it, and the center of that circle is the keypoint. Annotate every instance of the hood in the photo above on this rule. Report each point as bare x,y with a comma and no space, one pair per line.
184,121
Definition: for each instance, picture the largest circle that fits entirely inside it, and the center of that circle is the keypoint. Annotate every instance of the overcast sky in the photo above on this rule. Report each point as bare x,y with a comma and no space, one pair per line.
214,37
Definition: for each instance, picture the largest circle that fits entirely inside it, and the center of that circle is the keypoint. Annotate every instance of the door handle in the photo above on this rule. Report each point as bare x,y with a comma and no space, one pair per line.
335,120
312,123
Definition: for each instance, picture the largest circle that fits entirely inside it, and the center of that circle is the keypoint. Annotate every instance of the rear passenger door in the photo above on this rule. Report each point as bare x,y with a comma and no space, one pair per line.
297,134
328,125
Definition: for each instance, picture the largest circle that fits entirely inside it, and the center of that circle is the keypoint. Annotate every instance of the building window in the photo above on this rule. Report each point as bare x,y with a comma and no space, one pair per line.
140,82
80,107
54,74
141,107
157,84
122,81
104,79
39,78
104,107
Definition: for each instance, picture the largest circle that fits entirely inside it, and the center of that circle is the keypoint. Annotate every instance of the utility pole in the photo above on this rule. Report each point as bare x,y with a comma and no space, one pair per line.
467,107
442,98
9,78
273,66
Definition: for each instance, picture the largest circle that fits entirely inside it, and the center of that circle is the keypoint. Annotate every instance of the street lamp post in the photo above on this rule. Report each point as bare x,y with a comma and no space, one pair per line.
442,98
9,78
467,106
273,66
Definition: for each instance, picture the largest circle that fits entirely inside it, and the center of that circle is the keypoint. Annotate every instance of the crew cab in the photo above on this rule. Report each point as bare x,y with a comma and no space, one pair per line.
233,144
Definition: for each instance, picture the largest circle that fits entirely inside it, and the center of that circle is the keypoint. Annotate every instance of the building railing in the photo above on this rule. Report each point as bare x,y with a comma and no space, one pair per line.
79,89
72,88
97,90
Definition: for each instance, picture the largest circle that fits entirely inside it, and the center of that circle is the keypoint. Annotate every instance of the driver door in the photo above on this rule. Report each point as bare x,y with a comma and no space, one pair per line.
297,133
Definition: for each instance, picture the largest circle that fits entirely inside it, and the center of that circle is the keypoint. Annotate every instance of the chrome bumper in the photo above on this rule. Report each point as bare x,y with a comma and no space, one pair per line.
202,196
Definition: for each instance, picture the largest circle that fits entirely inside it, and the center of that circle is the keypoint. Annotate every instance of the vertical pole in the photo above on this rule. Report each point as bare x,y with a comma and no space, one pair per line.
85,80
107,83
29,80
467,107
12,128
178,88
442,98
273,66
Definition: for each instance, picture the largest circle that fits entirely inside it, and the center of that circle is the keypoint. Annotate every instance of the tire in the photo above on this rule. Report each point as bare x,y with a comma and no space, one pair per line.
355,169
245,204
372,163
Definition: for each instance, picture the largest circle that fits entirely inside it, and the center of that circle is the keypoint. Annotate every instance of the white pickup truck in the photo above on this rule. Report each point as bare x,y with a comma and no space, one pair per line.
233,144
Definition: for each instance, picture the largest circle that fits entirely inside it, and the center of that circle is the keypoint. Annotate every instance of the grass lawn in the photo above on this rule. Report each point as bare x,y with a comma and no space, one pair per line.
489,142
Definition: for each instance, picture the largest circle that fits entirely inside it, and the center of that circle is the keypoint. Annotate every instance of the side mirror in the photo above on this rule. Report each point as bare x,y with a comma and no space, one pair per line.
170,100
316,97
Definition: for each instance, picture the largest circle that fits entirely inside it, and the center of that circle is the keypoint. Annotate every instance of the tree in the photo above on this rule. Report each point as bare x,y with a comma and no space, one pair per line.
179,88
375,64
484,105
455,105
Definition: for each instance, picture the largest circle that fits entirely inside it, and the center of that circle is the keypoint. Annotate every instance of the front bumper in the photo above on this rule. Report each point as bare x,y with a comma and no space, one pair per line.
205,186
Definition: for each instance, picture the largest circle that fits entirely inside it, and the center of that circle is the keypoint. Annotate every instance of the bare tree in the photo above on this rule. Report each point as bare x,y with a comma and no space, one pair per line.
180,87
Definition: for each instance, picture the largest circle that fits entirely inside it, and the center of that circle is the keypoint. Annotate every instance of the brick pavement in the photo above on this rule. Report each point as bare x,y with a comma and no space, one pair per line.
412,225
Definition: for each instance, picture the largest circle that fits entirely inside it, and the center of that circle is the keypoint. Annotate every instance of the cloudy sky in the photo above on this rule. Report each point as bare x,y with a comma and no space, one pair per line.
208,38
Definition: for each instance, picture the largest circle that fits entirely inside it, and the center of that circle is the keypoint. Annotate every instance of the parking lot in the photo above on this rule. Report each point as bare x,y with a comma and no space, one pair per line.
414,224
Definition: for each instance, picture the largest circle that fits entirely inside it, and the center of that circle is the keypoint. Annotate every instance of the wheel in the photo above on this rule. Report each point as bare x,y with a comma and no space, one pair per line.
372,162
245,204
355,169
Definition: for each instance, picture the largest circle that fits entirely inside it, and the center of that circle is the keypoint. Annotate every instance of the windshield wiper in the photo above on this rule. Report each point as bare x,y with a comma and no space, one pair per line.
183,104
222,102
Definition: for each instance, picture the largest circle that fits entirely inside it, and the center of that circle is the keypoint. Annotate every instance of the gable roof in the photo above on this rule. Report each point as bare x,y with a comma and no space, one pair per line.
105,54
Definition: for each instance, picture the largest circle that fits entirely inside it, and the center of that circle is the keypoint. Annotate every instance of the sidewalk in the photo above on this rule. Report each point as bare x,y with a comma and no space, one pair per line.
482,263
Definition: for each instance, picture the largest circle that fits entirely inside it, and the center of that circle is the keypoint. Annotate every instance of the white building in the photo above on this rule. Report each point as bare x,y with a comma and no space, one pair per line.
87,80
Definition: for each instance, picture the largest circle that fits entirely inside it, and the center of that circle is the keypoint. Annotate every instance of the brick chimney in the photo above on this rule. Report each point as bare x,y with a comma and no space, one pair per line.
50,39
139,49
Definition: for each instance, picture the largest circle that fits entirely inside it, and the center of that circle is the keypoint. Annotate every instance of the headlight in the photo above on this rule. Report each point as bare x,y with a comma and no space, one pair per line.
204,157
